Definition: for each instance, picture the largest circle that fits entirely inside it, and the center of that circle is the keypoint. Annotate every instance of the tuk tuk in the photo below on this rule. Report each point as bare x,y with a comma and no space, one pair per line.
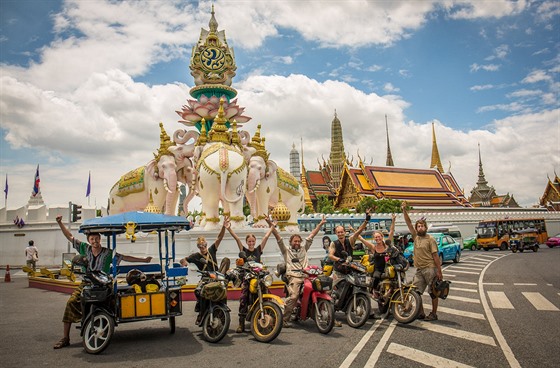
106,303
526,239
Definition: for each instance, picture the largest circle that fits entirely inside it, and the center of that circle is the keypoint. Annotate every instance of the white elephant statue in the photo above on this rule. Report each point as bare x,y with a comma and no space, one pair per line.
158,179
185,154
265,181
222,172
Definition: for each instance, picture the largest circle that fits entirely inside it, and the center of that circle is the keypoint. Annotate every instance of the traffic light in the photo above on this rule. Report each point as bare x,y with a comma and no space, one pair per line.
76,212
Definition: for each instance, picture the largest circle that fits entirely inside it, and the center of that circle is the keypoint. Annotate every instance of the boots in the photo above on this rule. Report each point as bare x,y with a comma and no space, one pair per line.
241,327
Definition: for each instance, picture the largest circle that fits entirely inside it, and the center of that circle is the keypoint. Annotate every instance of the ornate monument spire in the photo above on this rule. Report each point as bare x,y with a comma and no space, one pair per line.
481,179
436,161
164,143
306,195
389,156
337,155
218,133
294,163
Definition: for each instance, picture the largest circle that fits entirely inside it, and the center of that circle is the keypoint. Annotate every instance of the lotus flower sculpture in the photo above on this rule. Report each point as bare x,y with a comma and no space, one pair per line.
207,108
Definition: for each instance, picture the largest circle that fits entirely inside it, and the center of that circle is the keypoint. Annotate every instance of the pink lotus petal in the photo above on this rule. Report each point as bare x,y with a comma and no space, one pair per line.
215,100
202,111
203,99
188,123
192,103
231,111
242,119
191,117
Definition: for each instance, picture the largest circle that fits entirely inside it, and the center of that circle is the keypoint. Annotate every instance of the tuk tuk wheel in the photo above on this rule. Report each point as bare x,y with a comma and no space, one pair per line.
514,248
98,332
503,246
535,248
172,324
521,250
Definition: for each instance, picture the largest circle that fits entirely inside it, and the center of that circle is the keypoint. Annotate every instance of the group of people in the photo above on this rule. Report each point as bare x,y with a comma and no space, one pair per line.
426,260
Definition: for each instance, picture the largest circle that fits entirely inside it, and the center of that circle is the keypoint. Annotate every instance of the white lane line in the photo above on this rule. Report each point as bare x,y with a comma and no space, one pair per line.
464,282
448,274
462,289
475,263
494,283
381,345
548,284
463,299
455,312
499,300
466,335
462,267
360,345
508,353
458,271
422,357
522,284
539,301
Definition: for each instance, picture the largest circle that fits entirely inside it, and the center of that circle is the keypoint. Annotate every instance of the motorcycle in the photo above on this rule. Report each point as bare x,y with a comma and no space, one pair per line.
350,294
214,314
313,301
393,292
265,310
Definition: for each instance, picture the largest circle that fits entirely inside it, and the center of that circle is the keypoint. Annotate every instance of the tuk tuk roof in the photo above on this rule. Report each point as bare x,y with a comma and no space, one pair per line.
144,221
525,231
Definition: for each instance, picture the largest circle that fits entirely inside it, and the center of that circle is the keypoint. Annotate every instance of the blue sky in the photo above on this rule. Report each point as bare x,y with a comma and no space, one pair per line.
85,84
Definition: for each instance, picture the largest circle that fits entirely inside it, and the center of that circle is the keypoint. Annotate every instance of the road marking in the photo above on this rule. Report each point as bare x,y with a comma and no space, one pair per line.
456,312
499,300
464,282
508,353
381,345
466,335
494,283
539,301
477,268
360,345
458,271
449,274
467,290
475,263
463,299
423,357
522,284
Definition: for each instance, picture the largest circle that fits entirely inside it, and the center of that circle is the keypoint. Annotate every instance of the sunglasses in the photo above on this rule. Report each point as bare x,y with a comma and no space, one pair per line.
200,246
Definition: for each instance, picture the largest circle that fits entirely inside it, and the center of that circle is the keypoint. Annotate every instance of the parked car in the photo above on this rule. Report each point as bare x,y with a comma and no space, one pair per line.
553,241
448,229
470,243
448,249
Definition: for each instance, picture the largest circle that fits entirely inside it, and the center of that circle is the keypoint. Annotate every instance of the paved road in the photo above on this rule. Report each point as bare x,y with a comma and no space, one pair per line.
503,310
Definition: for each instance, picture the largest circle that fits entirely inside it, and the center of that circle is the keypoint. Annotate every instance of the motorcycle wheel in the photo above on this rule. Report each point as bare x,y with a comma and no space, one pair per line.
521,250
213,330
405,307
357,313
382,305
514,249
172,324
324,319
267,327
98,332
535,248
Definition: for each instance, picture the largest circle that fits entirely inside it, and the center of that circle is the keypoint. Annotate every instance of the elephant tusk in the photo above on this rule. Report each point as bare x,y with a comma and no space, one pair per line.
256,187
166,187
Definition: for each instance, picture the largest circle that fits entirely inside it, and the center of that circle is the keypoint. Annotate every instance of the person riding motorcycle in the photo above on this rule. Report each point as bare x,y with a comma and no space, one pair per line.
295,257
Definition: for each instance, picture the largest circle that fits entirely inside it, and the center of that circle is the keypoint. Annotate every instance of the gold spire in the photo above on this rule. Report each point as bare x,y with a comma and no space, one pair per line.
151,207
234,135
258,143
389,156
202,138
218,133
306,195
164,143
436,161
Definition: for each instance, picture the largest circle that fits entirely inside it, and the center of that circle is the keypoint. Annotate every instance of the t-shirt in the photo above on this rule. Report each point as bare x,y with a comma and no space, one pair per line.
101,262
424,247
291,255
30,251
255,255
210,257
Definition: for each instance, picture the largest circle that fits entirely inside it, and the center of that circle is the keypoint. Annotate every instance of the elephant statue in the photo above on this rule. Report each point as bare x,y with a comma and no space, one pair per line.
222,172
184,156
157,179
265,182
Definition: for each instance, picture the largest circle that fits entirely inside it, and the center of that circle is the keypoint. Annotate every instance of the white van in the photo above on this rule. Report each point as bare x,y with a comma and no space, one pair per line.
448,229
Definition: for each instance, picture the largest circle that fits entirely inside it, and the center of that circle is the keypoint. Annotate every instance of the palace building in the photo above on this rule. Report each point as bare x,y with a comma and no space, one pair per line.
551,196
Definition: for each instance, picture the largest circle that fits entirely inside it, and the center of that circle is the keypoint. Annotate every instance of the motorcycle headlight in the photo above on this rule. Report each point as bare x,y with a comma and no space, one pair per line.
268,280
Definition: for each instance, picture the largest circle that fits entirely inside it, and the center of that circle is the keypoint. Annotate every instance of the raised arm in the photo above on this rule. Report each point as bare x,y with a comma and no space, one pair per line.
317,228
407,220
353,237
64,229
227,225
392,229
366,243
221,234
136,259
268,233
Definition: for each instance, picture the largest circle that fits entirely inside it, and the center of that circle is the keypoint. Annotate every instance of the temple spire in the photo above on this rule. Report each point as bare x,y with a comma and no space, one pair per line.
389,156
337,155
306,196
436,161
481,179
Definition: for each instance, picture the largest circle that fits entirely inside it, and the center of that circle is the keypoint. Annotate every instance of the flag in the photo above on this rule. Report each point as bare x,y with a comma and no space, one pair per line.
88,190
6,188
36,185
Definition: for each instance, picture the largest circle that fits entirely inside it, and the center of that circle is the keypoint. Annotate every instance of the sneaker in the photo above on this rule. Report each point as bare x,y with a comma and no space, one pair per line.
337,323
240,329
421,316
431,317
286,324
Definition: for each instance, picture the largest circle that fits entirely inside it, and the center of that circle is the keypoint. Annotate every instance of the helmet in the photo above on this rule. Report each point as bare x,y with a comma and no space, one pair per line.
280,269
135,276
440,289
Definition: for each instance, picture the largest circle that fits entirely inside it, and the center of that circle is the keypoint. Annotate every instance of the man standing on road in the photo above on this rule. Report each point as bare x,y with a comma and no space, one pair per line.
426,261
31,255
296,260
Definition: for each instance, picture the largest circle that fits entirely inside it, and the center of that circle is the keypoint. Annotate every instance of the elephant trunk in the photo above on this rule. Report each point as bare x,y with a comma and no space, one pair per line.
239,190
253,181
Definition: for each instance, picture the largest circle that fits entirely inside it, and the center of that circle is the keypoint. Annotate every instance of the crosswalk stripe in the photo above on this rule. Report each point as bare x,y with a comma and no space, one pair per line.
455,312
474,262
459,271
463,289
539,301
464,268
463,299
423,357
499,300
464,282
494,283
448,274
381,345
488,340
354,353
522,284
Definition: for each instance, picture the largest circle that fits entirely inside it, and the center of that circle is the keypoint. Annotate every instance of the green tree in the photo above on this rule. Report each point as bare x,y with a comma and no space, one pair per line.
379,205
324,205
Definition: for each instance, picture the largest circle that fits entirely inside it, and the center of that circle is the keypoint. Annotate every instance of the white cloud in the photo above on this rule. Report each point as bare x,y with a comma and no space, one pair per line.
471,9
388,87
482,87
537,76
489,67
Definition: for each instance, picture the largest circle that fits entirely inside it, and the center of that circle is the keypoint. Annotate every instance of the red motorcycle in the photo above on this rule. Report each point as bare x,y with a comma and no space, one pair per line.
313,301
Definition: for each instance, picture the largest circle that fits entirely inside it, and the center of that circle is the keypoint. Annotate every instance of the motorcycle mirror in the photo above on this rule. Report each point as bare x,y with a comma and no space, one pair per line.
344,254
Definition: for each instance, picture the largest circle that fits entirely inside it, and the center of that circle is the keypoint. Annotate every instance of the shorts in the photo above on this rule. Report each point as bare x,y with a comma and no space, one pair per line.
424,278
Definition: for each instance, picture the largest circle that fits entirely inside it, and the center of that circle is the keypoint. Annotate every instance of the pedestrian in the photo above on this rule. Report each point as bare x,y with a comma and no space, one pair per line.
31,255
252,253
426,261
98,259
295,258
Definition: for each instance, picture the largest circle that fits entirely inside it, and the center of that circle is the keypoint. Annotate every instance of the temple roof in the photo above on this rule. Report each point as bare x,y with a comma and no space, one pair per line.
317,184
